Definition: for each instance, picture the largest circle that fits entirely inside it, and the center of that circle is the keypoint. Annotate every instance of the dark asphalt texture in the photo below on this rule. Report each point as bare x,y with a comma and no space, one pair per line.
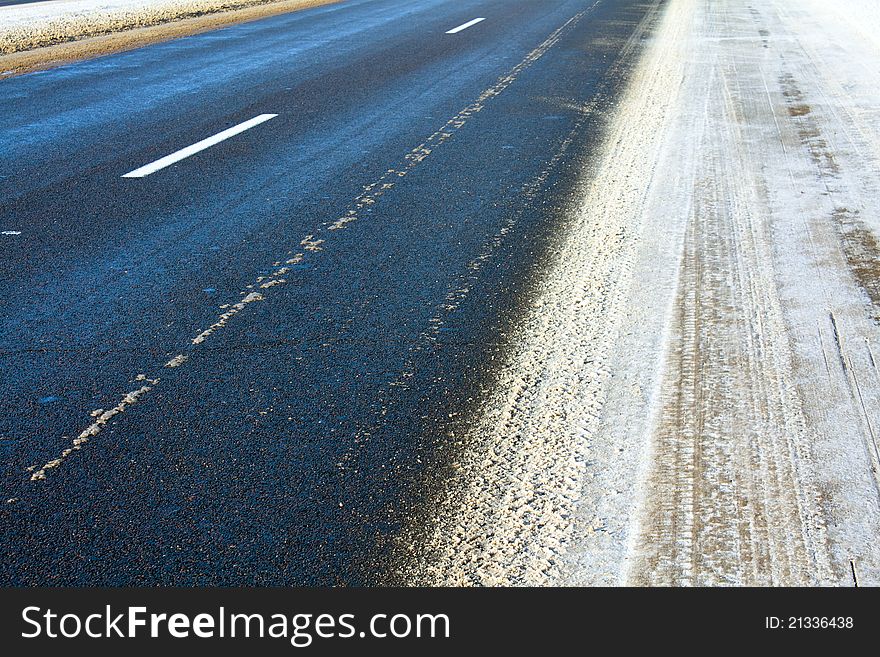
294,442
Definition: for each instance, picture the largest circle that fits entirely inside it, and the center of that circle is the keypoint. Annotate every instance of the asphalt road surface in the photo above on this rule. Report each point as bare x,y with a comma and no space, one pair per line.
237,368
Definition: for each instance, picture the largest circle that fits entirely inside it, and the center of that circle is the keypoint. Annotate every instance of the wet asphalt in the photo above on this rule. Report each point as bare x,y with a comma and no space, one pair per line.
295,441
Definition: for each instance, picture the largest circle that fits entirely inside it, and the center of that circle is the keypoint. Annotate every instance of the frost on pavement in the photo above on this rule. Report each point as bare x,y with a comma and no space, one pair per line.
693,400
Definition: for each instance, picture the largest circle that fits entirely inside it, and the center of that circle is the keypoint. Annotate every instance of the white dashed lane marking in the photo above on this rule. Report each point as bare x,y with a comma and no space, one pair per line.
465,26
184,153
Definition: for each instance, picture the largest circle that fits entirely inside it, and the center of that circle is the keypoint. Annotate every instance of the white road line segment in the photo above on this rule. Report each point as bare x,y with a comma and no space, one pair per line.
465,26
184,153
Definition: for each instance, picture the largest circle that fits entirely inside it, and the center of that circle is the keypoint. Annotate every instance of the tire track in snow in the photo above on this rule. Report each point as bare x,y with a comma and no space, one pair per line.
763,466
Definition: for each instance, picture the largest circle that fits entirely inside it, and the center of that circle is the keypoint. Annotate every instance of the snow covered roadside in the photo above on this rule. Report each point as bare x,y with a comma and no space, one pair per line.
37,34
695,398
763,462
